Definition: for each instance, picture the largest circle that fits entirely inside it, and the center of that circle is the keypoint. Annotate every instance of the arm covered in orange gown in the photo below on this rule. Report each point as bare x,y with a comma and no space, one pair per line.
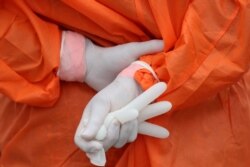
30,48
206,44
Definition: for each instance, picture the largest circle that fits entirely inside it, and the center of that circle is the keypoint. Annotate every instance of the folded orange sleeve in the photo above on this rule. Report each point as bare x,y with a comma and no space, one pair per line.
29,55
211,53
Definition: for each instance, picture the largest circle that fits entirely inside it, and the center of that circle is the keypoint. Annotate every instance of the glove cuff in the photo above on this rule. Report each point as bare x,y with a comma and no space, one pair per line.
72,59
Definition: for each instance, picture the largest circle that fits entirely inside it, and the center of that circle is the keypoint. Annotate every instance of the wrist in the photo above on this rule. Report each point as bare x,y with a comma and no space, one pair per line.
92,54
130,85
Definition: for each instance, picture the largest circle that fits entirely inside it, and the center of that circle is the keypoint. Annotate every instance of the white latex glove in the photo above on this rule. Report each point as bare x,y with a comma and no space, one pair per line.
116,95
104,64
81,60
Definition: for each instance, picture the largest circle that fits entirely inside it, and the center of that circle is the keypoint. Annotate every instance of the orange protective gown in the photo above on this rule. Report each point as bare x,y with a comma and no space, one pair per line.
205,61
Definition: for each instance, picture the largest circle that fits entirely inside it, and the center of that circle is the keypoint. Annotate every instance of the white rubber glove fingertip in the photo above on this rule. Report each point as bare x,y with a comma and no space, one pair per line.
97,158
165,134
167,106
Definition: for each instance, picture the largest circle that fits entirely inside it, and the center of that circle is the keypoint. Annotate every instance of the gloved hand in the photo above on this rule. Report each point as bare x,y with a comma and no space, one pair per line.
82,60
116,95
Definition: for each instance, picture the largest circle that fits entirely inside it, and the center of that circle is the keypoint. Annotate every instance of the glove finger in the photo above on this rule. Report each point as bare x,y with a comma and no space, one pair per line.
134,50
84,121
147,96
87,146
112,135
98,112
153,130
125,133
134,131
154,110
85,117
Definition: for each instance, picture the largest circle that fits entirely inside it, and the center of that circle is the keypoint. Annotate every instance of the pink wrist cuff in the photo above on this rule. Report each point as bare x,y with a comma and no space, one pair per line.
72,59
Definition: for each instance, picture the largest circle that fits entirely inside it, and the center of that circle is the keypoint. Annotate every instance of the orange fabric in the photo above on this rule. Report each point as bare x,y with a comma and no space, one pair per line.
205,61
211,52
33,136
29,56
144,78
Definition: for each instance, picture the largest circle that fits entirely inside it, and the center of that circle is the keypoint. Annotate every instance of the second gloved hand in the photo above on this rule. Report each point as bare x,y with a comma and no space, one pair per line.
113,97
82,60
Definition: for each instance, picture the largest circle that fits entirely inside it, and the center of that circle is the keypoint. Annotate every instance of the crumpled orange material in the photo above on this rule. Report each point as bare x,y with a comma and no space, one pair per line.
205,62
145,79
